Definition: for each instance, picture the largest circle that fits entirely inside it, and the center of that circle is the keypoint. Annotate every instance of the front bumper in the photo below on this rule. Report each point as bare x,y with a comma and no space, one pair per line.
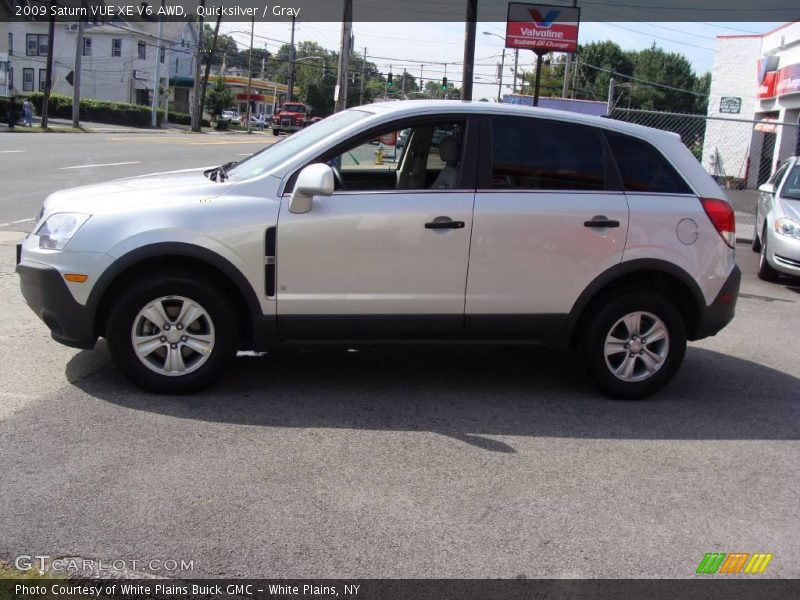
45,291
720,312
783,253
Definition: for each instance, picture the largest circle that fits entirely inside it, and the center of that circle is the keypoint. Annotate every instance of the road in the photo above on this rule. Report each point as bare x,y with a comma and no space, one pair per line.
492,462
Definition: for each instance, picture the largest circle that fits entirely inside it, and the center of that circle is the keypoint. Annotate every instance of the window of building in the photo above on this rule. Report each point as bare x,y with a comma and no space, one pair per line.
87,46
535,154
42,79
36,44
142,49
27,80
10,44
162,53
116,47
643,168
10,79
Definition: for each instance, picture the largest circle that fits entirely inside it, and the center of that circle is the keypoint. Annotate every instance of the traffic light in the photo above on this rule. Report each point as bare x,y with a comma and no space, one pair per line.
389,81
444,84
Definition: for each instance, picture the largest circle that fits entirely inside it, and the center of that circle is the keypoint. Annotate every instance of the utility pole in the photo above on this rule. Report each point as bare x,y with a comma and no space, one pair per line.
76,75
403,86
250,71
167,58
340,91
469,50
539,57
209,55
565,89
51,32
500,76
157,75
363,72
197,108
290,82
516,60
448,85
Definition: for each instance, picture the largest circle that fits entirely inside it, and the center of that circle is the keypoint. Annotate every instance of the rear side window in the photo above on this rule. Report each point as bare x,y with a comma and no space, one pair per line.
535,154
643,168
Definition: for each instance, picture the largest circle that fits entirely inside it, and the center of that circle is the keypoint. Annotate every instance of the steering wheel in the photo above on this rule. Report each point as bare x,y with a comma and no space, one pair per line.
337,174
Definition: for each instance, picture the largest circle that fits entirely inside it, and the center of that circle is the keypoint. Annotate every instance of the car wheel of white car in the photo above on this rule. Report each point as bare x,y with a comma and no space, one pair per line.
172,335
756,243
634,344
765,270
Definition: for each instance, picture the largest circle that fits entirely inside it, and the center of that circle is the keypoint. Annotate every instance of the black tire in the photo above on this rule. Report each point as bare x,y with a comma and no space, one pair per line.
756,243
136,297
765,270
276,132
602,322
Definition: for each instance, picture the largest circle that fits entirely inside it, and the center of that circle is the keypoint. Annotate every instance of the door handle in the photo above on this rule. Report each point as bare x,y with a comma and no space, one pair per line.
601,222
445,225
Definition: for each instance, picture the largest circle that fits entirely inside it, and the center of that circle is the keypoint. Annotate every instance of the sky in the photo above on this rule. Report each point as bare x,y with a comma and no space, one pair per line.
426,47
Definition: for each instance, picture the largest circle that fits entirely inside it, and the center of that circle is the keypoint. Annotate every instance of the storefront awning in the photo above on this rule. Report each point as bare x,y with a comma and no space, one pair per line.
181,81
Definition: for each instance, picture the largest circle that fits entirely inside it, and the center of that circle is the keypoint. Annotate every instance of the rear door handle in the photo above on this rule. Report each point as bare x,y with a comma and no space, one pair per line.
600,222
445,225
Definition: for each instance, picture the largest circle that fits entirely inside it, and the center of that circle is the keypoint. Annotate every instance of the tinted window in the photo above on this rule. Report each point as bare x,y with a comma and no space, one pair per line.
791,189
643,168
533,154
778,175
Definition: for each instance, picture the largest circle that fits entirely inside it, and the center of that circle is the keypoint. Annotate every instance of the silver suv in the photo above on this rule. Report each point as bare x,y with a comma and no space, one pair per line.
492,223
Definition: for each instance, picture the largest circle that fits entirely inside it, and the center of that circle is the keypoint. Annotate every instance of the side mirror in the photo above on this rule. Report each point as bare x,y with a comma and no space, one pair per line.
767,188
314,180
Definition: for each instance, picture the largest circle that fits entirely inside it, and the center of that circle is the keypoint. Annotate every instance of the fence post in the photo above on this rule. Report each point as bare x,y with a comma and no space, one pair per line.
610,95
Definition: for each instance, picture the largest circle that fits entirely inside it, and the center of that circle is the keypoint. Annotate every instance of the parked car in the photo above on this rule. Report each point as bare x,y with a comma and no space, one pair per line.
229,115
523,225
776,235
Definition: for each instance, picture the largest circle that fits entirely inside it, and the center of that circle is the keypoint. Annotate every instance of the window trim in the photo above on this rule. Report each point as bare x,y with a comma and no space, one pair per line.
116,52
468,168
613,180
38,37
141,50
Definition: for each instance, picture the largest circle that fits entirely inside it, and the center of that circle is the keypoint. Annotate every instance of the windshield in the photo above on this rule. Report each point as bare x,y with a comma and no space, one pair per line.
293,107
272,156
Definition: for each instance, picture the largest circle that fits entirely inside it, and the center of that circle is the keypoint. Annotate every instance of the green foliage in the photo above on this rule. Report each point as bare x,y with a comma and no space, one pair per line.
218,97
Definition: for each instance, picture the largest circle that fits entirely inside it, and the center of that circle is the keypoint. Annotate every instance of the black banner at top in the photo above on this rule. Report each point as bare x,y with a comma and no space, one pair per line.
388,11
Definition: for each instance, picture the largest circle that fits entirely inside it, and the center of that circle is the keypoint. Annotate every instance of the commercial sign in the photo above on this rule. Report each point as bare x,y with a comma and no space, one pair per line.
731,105
542,27
778,82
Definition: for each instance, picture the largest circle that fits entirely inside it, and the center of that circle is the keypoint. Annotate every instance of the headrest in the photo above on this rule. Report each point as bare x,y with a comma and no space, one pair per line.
449,150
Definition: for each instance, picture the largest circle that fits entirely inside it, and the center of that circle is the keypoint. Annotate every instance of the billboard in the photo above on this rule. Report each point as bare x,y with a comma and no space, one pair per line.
542,27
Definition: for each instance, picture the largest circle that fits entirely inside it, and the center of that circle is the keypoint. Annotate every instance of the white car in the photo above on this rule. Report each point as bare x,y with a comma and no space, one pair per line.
776,235
229,115
521,225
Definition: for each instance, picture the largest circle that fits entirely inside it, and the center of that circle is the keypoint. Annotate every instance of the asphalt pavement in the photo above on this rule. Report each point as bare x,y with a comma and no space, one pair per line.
433,462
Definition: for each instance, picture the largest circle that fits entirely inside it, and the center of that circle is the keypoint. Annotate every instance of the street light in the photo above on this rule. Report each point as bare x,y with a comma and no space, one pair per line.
502,65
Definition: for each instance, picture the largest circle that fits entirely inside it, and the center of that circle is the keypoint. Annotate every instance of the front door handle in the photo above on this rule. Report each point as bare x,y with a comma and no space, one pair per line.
445,225
601,222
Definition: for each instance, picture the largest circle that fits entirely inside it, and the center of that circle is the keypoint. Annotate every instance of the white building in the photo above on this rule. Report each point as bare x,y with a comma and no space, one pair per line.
757,78
118,60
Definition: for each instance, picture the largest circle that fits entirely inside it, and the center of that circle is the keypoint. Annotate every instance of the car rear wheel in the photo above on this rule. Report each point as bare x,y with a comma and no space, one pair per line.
765,270
171,335
634,344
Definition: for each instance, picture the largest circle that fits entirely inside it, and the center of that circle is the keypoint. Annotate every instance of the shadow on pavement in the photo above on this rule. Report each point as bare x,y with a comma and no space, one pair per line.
466,393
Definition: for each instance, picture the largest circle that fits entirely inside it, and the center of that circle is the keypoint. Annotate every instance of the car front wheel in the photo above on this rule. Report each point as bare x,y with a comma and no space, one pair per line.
765,270
634,344
172,335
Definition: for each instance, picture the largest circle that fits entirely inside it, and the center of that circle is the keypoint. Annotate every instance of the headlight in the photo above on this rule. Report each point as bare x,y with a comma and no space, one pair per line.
788,228
58,229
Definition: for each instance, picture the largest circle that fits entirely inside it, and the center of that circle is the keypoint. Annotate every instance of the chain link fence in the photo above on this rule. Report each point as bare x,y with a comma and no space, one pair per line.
740,154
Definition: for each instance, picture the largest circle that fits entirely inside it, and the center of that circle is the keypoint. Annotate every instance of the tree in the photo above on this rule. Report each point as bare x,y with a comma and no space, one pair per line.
219,97
702,87
670,69
597,63
226,46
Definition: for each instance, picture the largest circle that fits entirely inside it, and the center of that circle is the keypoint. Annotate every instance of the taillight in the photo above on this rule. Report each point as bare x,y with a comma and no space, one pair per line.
722,217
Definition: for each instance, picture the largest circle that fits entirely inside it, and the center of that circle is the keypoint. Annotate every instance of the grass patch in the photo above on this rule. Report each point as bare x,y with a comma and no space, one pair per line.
9,572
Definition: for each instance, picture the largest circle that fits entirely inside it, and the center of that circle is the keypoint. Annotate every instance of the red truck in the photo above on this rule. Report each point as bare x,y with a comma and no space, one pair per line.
291,116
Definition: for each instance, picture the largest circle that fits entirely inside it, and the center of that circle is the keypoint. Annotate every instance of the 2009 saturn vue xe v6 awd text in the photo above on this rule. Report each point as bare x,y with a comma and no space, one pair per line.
491,223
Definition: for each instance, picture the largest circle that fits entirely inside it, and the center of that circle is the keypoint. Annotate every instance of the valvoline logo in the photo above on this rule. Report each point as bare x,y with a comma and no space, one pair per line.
544,21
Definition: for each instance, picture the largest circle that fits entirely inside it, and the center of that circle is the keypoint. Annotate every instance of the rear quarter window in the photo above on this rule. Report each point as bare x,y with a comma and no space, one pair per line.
643,168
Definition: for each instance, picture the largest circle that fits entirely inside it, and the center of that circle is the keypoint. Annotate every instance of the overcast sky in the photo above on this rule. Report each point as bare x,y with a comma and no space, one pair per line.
427,46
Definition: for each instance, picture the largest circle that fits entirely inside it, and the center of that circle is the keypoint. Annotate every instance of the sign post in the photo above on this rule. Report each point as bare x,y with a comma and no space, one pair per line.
542,28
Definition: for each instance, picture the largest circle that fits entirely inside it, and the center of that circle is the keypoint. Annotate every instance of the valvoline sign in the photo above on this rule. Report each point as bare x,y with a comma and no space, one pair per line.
542,27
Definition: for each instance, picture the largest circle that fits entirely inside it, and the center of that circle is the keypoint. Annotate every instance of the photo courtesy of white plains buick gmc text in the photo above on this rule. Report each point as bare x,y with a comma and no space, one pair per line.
491,224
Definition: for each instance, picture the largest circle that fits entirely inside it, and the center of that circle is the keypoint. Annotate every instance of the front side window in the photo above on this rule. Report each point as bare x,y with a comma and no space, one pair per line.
536,154
777,177
416,157
791,189
27,80
643,168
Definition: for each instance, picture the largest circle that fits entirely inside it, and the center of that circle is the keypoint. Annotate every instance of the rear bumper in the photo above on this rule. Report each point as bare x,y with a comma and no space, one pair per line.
720,312
46,293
